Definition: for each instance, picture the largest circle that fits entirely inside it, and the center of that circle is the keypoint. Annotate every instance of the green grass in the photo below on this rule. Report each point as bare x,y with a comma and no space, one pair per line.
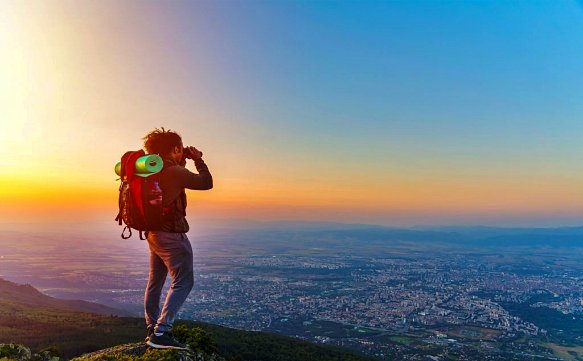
403,340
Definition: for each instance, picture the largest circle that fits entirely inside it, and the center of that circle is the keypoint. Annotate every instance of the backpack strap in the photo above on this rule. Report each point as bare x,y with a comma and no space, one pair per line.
119,218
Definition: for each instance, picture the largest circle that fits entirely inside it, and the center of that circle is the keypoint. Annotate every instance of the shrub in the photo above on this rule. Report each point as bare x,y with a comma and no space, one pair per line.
14,352
198,339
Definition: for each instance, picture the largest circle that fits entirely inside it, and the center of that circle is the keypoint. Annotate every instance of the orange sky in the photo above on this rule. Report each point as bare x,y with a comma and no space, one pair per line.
83,83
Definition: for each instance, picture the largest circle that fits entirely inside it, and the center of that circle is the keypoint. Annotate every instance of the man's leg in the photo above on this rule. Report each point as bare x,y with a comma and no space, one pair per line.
156,279
176,252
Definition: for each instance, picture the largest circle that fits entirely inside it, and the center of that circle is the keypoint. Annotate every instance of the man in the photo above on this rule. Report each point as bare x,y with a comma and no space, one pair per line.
170,249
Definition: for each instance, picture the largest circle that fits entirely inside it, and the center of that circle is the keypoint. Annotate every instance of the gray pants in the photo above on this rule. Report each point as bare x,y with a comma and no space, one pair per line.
169,252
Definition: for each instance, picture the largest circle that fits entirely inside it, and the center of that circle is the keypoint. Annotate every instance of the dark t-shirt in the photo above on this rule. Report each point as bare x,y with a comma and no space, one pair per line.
174,179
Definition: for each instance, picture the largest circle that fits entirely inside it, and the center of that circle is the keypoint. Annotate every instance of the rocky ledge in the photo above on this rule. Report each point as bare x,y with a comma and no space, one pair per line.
15,352
140,351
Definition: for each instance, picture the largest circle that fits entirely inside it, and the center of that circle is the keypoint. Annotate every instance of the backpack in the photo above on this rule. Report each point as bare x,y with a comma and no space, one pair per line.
140,198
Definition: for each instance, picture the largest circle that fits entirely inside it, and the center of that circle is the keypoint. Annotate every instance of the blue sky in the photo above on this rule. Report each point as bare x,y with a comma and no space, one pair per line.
458,76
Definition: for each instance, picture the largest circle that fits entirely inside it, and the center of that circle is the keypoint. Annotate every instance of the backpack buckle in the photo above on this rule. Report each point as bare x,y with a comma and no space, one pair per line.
124,230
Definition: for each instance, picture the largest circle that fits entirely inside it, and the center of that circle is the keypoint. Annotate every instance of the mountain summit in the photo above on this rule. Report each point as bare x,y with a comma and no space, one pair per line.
139,351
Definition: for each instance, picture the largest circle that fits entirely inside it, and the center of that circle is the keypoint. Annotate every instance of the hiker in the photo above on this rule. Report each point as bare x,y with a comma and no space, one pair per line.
170,249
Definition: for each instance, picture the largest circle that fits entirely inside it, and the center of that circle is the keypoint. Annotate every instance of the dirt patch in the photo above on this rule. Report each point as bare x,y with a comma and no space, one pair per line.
566,353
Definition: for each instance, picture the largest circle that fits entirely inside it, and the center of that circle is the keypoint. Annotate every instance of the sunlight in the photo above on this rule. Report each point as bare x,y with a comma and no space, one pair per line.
13,94
31,83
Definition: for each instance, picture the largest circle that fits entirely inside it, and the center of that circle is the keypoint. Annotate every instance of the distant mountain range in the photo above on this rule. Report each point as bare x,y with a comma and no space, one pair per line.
28,295
355,234
243,224
481,236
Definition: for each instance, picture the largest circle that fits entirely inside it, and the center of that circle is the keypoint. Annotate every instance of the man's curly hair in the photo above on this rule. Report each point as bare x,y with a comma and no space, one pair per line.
161,141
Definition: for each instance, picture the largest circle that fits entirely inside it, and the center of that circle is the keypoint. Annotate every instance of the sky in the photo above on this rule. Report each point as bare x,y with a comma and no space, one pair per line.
397,113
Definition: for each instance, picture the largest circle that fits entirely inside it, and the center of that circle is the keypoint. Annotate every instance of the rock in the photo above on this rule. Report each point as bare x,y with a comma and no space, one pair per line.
45,356
20,353
140,350
137,349
14,352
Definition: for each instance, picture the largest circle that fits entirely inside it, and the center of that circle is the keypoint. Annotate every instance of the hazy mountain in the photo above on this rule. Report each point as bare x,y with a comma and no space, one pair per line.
28,295
353,235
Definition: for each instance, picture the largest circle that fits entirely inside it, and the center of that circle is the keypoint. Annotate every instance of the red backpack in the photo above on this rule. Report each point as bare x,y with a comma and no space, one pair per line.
140,198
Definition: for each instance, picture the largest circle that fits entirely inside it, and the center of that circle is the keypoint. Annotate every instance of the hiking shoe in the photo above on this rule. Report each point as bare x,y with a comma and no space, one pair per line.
164,340
150,332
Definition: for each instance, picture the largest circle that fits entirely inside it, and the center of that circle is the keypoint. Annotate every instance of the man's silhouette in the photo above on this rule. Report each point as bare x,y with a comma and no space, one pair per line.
170,249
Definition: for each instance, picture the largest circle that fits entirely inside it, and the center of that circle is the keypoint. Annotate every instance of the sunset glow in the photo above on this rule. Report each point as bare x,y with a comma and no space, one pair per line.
299,118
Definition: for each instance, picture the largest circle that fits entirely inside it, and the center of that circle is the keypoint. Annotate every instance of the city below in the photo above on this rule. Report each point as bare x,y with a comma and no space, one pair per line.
416,294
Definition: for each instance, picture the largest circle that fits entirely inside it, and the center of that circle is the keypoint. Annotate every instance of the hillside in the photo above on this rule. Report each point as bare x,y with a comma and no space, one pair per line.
75,333
26,294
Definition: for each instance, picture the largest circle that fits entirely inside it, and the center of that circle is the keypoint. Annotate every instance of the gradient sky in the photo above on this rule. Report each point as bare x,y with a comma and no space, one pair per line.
395,113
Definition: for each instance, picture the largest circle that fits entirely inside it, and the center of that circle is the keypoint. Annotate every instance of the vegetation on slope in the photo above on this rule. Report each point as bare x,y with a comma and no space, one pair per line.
75,333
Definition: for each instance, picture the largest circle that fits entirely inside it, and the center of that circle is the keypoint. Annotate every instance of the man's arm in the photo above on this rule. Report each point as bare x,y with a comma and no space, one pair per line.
201,181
